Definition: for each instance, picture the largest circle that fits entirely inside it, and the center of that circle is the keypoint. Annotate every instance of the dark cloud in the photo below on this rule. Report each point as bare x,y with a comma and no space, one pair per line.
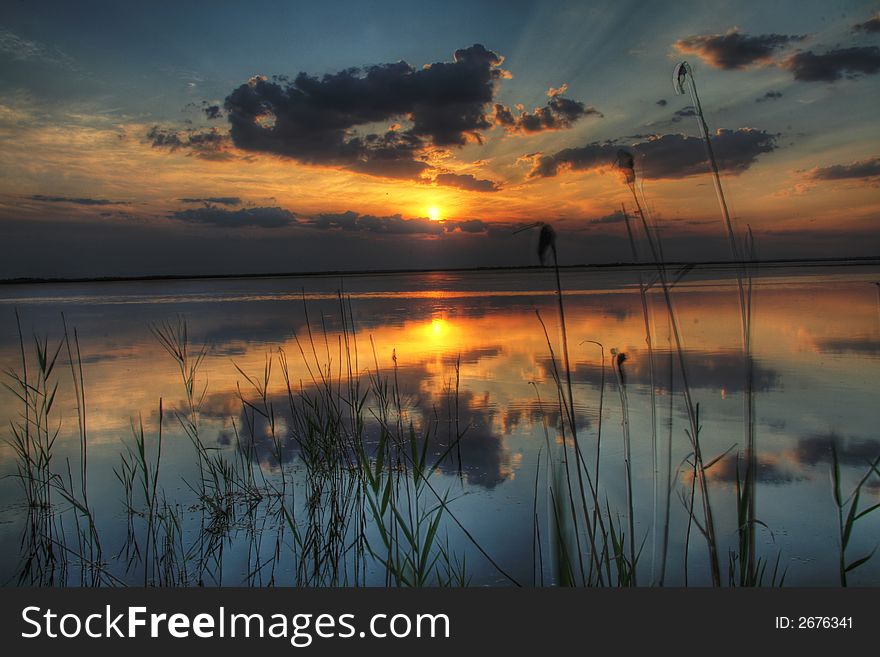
213,111
312,120
832,65
466,181
165,138
732,468
352,221
504,115
770,95
584,158
543,412
484,458
210,144
77,201
683,113
871,26
665,156
393,225
213,200
869,168
662,102
262,217
558,114
705,370
812,450
862,346
469,226
725,370
615,217
733,49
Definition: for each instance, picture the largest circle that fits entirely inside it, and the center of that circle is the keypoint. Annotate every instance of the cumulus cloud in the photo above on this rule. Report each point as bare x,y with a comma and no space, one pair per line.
871,26
313,120
210,144
584,158
467,182
351,221
664,156
733,49
678,156
261,217
558,114
387,120
832,65
76,201
863,169
213,200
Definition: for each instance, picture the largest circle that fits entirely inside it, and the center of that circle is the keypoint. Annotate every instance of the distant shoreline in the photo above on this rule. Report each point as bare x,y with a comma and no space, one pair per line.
777,262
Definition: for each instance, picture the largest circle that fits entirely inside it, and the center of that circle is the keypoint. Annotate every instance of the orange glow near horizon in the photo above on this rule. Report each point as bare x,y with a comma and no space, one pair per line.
100,161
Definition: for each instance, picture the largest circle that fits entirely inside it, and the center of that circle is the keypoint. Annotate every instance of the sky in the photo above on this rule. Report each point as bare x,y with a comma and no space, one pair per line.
219,138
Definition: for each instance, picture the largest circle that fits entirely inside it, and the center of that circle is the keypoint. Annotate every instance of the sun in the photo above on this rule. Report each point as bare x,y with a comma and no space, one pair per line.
434,213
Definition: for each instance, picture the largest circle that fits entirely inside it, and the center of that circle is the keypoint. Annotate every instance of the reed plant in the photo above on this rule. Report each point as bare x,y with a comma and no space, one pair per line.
849,513
667,280
55,498
749,563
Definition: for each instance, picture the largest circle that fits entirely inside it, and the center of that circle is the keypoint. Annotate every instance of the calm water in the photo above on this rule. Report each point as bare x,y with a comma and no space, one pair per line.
816,348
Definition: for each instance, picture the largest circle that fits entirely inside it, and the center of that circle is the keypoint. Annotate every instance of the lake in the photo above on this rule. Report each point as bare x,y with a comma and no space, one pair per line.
452,375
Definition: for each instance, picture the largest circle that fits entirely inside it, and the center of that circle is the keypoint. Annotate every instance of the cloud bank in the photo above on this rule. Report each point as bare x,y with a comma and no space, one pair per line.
312,120
559,113
863,169
665,156
76,201
258,217
735,50
834,64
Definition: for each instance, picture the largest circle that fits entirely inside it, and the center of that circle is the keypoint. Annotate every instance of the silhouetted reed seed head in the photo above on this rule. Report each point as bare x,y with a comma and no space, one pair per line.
619,359
626,164
546,241
679,74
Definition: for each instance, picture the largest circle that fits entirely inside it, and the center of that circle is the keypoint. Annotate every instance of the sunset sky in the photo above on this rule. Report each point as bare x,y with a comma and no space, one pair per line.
189,137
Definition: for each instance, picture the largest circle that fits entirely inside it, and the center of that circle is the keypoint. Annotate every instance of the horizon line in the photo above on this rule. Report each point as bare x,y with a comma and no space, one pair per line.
36,280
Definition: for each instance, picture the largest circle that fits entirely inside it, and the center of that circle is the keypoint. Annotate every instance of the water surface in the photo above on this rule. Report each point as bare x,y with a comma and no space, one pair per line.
815,348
